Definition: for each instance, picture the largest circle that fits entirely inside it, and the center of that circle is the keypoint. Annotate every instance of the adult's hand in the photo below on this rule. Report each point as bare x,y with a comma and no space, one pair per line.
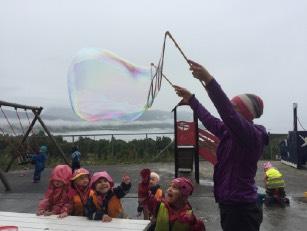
184,93
199,72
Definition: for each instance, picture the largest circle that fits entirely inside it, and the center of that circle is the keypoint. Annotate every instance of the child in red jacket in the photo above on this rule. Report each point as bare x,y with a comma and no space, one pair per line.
56,200
154,187
174,213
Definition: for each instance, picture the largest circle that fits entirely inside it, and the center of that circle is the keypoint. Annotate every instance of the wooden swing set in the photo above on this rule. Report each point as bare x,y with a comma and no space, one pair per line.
19,151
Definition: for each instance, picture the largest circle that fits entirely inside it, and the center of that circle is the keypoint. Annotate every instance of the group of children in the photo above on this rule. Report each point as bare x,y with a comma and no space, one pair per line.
94,196
79,194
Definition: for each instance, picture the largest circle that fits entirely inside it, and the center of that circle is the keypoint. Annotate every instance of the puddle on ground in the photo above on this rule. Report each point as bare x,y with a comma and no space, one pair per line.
299,200
295,203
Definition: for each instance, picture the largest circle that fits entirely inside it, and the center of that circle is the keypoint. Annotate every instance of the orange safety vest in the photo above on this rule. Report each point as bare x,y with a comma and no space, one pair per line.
78,208
115,208
159,194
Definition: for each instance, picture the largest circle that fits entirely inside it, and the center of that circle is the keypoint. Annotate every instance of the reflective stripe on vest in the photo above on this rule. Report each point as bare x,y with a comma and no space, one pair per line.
274,179
163,221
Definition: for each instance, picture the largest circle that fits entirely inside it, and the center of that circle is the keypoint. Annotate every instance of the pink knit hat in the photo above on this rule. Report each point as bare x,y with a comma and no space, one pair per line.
98,175
249,105
185,185
267,165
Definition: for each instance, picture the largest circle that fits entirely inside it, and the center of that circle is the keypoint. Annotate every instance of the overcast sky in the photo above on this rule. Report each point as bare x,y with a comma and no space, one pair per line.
248,46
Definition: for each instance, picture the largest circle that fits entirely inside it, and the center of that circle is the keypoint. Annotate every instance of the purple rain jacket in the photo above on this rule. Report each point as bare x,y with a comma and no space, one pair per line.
241,146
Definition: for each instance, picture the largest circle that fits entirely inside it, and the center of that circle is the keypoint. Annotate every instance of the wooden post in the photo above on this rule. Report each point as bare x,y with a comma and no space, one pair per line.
15,105
4,181
24,138
52,139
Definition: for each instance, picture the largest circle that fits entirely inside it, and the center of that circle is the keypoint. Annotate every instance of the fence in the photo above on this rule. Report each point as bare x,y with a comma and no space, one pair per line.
116,147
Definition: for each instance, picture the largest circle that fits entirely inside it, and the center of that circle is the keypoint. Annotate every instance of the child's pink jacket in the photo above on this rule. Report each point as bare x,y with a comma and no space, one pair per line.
57,200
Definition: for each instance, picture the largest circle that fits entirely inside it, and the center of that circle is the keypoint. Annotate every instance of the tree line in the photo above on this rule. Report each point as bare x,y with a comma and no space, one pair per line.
104,151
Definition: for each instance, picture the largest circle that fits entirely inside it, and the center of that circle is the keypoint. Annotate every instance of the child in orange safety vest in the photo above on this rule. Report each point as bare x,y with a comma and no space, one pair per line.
104,200
79,191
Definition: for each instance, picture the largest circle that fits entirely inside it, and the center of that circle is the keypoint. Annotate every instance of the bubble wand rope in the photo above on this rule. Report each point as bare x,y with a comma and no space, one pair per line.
167,33
157,75
163,75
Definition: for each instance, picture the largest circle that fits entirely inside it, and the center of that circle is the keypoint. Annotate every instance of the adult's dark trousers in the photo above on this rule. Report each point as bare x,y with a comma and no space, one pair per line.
240,217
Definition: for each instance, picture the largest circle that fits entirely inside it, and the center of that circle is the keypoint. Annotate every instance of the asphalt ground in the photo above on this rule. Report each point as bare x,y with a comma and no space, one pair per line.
25,195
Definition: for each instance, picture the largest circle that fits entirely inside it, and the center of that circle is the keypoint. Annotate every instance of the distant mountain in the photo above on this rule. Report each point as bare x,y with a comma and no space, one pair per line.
60,119
56,113
60,113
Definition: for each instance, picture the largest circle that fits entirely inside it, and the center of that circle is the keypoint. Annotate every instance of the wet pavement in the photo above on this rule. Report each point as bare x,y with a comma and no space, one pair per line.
25,195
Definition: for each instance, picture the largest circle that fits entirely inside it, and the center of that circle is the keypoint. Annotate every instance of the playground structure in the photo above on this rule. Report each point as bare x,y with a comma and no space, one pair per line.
20,151
190,143
293,150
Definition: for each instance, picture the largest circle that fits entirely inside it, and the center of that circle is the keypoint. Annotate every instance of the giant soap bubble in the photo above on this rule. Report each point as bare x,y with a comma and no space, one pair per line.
103,86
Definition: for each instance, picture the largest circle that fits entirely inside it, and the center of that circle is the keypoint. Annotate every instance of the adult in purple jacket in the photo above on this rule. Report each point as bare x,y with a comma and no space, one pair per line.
241,145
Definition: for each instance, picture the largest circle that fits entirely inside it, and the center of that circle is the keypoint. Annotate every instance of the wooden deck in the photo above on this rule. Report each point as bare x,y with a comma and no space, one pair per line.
29,222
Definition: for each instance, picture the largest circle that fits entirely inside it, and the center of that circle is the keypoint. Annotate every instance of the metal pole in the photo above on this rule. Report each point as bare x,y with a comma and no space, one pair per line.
112,146
269,134
196,155
295,117
176,145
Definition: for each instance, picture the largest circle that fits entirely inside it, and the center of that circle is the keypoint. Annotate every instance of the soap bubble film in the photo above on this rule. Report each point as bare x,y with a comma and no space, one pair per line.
103,86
